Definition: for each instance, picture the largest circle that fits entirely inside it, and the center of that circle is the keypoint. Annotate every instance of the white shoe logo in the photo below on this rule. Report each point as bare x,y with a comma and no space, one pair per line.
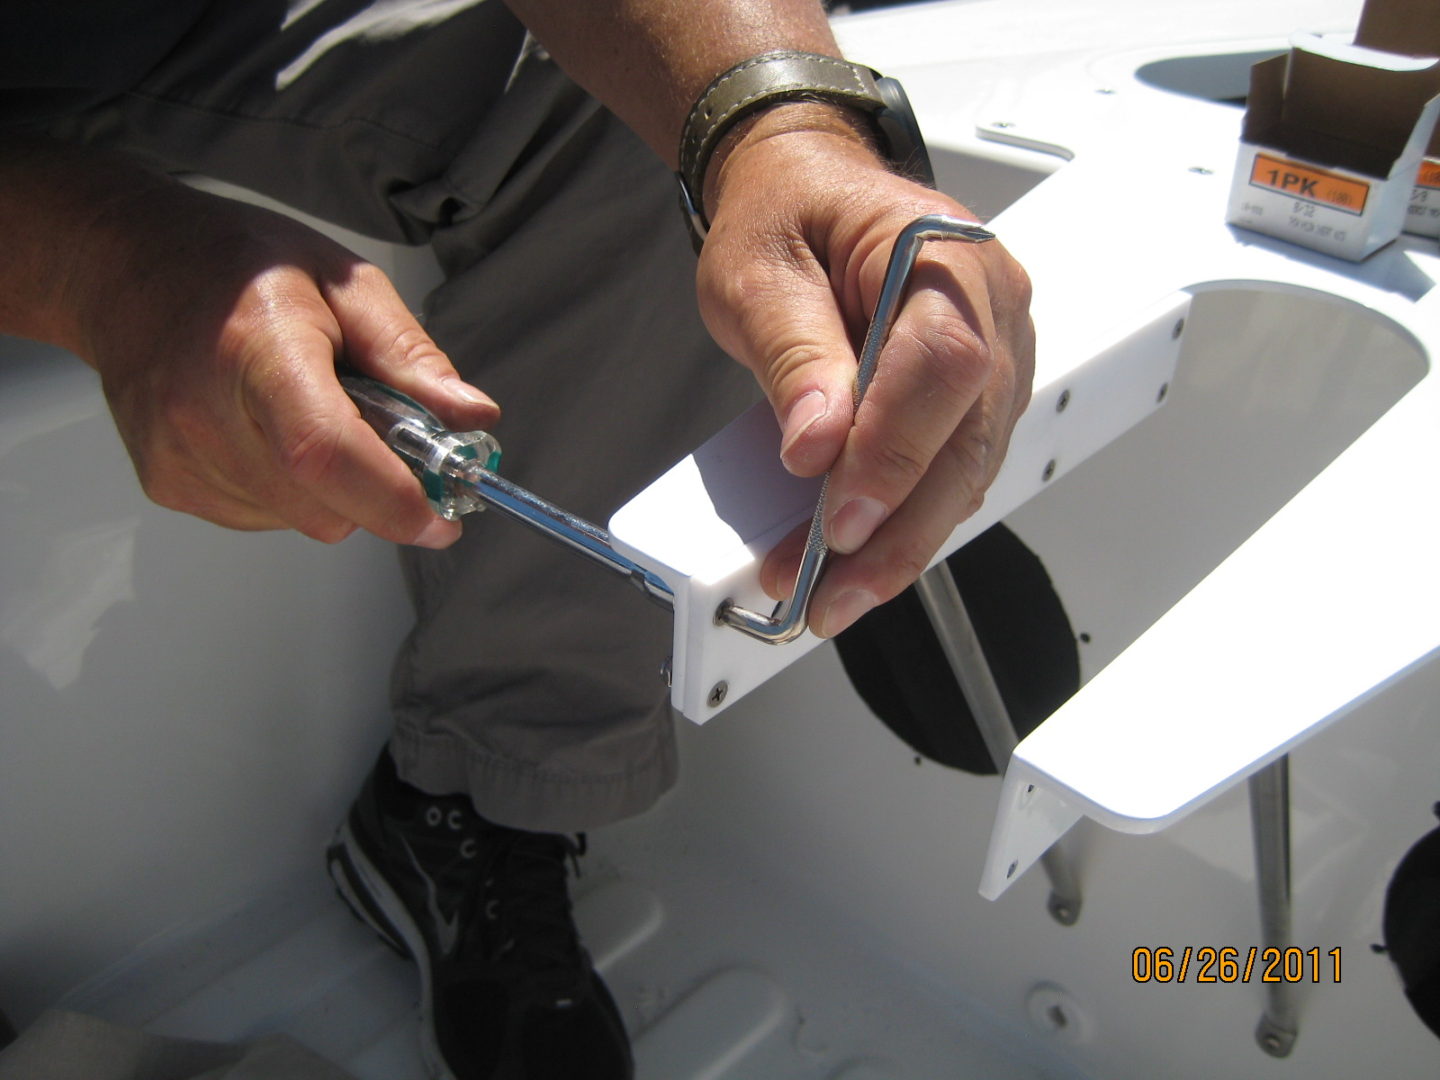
447,929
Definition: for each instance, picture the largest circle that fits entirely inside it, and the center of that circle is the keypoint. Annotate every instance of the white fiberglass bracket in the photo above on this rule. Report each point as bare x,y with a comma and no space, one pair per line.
1302,623
706,525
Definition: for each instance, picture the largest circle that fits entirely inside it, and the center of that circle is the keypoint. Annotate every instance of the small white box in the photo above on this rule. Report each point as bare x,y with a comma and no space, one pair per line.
1333,141
1411,27
1423,218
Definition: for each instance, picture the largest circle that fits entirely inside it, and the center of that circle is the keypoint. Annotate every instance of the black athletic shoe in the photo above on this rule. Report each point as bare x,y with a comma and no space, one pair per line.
508,993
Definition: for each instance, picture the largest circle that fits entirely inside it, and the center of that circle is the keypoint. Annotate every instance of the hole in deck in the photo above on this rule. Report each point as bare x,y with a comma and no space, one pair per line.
1271,386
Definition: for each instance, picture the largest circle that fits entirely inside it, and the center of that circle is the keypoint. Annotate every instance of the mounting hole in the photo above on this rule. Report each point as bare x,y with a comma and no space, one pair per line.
1054,1010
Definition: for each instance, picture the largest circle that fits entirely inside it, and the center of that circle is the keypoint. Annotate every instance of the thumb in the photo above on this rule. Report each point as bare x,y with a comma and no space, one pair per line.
384,340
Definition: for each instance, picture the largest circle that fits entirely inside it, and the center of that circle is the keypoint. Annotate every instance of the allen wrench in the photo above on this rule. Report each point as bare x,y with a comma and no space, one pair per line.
457,470
787,621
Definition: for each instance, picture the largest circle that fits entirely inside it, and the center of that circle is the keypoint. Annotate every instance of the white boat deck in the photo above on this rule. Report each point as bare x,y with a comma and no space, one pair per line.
188,711
720,976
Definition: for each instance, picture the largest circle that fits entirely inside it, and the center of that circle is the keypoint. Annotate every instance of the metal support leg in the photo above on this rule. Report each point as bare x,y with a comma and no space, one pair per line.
1270,825
952,625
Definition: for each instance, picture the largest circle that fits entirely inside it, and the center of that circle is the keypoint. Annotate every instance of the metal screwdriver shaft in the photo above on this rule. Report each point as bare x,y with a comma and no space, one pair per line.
456,470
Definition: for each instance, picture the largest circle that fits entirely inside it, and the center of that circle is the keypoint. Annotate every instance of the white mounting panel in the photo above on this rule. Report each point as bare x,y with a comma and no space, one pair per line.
707,524
1330,601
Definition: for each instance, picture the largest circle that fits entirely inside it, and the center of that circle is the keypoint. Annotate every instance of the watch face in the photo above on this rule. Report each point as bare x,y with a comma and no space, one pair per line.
694,217
905,146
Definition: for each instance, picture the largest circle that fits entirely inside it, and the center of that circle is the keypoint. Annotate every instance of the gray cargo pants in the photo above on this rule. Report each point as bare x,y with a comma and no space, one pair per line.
531,679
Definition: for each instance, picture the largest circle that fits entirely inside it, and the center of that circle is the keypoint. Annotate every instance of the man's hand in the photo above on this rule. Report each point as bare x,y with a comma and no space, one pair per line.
216,327
805,217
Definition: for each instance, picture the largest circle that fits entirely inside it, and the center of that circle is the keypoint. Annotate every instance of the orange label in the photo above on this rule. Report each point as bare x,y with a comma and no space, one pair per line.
1429,173
1310,184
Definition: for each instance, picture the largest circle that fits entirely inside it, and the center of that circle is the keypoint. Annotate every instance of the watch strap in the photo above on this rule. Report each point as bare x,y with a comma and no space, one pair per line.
753,84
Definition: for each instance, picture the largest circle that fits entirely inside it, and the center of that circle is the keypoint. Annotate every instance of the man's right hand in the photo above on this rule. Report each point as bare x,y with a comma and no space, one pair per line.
216,328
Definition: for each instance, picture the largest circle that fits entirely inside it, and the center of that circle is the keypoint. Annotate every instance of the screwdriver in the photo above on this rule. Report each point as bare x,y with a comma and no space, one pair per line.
457,480
457,471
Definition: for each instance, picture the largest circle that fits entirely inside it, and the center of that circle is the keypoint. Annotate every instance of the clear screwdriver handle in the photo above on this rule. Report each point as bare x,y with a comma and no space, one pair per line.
457,470
424,444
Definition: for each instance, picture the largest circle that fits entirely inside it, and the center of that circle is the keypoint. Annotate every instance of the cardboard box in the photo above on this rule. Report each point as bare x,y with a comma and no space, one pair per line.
1410,27
1333,141
1423,217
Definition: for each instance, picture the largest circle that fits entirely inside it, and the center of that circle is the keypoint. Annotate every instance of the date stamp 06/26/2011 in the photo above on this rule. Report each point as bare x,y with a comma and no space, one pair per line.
1229,964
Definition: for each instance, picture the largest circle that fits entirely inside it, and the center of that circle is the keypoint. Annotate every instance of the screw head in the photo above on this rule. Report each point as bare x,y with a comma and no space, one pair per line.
717,694
1063,401
1049,472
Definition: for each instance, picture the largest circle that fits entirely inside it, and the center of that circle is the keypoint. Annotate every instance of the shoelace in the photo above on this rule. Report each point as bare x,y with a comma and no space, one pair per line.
527,901
507,888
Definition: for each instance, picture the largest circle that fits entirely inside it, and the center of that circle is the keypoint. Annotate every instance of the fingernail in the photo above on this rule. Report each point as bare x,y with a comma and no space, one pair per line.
845,609
807,410
438,534
465,392
854,523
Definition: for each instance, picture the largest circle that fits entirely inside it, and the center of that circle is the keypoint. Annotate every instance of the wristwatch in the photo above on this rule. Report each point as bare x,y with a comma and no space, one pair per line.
794,76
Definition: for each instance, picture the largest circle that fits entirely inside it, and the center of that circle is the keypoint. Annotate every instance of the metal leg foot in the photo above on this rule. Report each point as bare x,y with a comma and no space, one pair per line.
1275,1041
